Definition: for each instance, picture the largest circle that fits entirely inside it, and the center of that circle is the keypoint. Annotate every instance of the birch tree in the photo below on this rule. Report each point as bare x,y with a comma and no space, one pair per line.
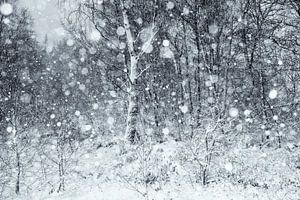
120,25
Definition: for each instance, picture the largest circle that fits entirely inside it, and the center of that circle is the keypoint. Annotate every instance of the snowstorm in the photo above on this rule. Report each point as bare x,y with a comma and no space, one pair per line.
149,100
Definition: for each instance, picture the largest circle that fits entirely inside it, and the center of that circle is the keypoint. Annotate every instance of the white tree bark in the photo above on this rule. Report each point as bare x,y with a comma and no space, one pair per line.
133,109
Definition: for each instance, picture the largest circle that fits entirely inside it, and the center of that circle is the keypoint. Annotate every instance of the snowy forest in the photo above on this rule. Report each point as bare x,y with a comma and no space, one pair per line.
151,99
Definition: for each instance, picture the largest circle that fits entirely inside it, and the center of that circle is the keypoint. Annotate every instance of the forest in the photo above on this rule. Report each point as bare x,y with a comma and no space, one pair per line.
151,99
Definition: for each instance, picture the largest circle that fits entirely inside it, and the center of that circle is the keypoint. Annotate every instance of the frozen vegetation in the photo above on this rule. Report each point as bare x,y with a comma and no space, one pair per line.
149,99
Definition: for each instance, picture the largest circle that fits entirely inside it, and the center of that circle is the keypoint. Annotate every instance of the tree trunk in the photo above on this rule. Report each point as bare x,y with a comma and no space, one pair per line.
133,109
19,173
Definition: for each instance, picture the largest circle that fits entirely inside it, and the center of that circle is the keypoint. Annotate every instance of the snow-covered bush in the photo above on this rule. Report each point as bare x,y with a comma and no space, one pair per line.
149,166
251,167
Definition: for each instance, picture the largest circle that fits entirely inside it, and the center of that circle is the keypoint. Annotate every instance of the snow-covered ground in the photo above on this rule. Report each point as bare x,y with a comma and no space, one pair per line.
110,174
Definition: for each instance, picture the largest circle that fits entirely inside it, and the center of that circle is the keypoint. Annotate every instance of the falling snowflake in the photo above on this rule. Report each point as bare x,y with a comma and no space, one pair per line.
213,29
210,99
113,93
92,51
170,5
70,42
52,116
228,166
67,92
186,11
6,21
122,45
77,113
166,43
233,112
166,52
121,31
147,34
273,94
166,131
9,129
247,113
6,9
95,106
147,48
95,35
184,109
214,78
139,21
81,87
110,121
87,127
25,98
84,71
239,127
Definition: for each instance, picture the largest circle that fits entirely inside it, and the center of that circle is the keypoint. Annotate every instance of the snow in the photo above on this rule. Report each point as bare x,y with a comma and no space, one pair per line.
147,34
110,121
166,43
228,166
84,71
170,5
64,104
113,93
122,45
273,94
166,52
95,106
186,11
82,51
214,78
86,127
77,113
282,125
247,113
139,21
9,129
25,98
67,92
92,50
210,100
233,112
6,21
95,35
147,48
295,114
184,109
213,29
166,131
121,31
82,87
239,127
6,9
70,42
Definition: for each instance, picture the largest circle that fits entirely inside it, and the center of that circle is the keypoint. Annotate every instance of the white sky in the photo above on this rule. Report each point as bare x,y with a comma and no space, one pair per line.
46,17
